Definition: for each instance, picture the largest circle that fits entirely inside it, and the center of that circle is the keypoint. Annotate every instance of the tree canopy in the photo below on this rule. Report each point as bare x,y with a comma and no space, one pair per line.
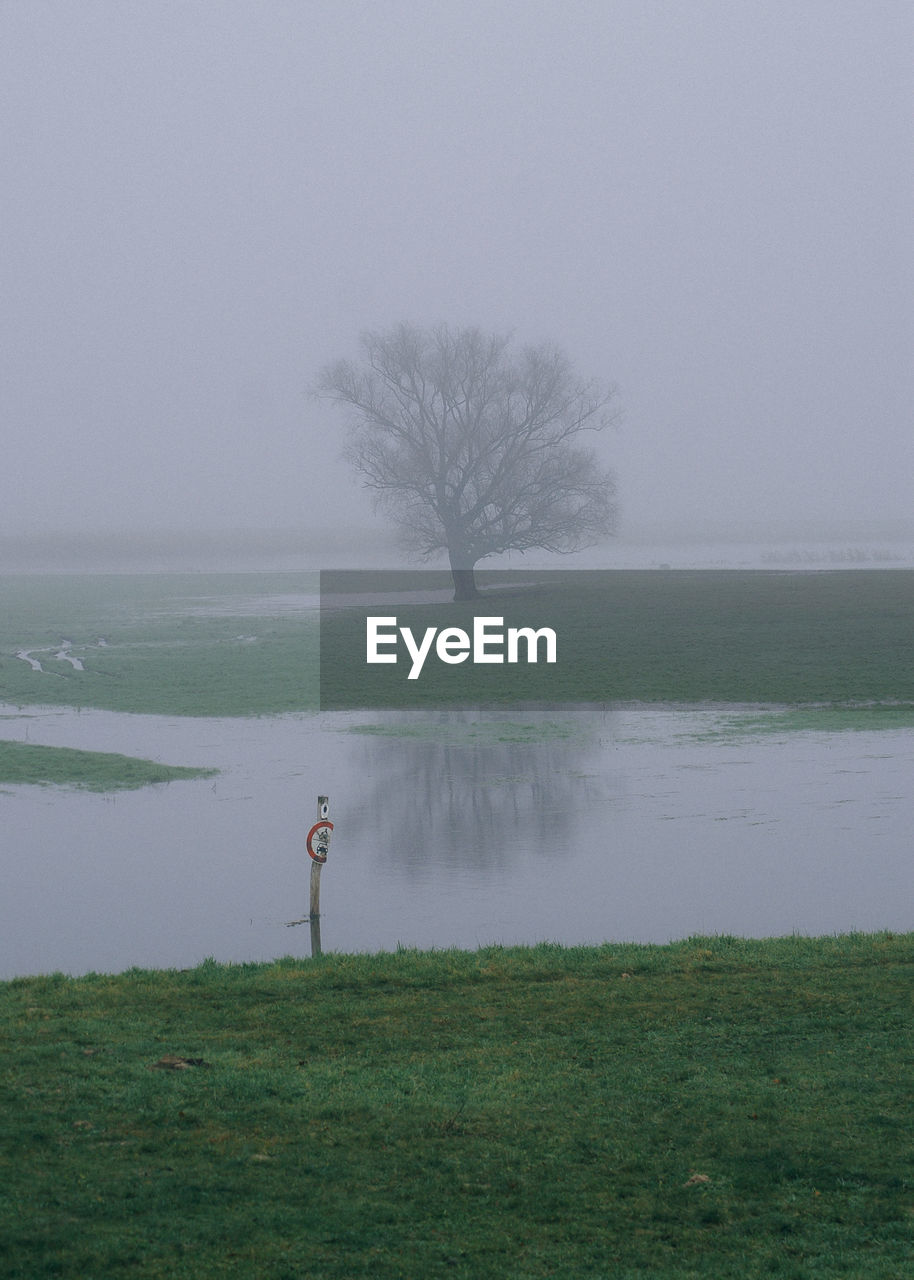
472,447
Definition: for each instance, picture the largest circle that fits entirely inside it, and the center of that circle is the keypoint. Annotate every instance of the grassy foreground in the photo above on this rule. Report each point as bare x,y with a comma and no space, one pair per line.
716,1107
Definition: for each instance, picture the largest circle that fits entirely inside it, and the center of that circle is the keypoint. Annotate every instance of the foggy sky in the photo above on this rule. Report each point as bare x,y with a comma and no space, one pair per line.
707,203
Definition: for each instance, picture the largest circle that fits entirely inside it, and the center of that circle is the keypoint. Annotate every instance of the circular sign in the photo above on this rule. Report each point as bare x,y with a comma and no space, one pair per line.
318,841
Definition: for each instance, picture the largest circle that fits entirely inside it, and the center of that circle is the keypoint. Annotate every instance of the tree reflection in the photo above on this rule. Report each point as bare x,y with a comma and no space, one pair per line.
473,787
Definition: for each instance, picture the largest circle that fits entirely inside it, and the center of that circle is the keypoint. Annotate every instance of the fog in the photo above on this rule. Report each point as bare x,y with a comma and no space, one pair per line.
707,204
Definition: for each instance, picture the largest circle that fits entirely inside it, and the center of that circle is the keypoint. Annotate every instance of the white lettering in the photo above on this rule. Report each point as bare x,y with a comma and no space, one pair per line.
452,645
532,638
418,653
375,637
481,639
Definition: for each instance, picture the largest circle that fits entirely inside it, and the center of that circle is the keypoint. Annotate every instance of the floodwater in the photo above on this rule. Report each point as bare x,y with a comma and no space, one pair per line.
452,828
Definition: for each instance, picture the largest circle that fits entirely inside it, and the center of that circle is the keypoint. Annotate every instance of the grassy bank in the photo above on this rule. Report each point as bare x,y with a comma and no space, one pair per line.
714,1107
26,762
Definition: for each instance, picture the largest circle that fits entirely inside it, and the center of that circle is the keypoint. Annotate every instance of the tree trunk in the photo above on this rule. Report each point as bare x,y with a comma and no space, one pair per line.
464,584
463,575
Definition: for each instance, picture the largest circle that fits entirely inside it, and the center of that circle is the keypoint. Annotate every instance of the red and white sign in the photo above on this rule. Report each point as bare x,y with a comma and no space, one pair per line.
318,841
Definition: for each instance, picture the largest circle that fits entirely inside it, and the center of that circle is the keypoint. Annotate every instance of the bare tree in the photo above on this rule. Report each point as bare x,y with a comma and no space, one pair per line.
473,449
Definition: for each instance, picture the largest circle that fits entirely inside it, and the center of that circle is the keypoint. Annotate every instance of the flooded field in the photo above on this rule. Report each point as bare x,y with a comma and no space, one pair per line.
574,824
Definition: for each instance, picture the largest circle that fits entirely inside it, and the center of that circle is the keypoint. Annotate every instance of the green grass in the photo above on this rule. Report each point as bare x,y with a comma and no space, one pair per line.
26,762
815,719
829,645
629,635
163,653
716,1107
679,636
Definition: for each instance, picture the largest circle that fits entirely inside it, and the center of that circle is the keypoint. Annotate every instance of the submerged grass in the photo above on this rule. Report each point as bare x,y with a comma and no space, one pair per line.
476,733
26,762
171,644
854,717
713,1107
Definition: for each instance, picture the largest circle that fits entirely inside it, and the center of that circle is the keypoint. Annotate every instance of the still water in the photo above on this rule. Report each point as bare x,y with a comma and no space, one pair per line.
570,824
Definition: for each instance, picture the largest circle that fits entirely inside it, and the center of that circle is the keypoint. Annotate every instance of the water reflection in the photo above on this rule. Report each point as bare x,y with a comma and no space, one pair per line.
476,789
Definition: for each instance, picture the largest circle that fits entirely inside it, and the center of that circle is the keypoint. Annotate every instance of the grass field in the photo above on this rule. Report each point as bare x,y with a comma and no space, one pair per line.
710,1108
193,644
89,770
716,1107
174,644
243,644
648,636
224,645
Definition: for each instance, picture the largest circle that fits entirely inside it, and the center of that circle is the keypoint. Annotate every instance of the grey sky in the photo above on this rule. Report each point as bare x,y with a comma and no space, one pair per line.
708,203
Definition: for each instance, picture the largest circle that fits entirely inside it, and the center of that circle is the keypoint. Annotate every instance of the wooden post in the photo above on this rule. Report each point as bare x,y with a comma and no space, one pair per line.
318,846
314,906
315,922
